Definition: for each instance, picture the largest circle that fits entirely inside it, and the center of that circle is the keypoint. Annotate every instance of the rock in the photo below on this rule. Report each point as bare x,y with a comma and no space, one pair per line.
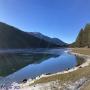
24,81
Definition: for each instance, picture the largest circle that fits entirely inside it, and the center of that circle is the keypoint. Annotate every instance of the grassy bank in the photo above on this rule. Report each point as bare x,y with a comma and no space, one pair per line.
85,51
72,76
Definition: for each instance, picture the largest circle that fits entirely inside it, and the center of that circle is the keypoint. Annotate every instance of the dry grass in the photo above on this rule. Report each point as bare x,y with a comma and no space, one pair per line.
85,51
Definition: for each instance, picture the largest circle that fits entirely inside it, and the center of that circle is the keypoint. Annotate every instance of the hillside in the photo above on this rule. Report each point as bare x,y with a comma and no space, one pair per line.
83,38
11,37
49,39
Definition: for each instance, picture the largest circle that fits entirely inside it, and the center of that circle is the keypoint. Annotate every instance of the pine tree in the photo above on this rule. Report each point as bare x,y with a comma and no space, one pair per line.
87,35
83,38
79,40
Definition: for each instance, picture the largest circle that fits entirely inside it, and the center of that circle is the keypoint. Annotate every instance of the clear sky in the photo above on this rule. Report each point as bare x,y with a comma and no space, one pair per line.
55,18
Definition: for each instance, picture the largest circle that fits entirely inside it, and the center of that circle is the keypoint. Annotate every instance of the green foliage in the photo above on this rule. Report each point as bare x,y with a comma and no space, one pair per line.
83,38
79,40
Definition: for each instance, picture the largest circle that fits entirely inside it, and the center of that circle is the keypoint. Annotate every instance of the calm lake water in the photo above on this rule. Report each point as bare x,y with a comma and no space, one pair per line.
19,66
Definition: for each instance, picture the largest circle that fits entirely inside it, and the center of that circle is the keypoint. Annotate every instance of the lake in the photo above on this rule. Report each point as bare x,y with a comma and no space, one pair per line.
32,63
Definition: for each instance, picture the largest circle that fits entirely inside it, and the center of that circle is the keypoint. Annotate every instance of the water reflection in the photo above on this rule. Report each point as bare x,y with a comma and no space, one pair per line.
10,63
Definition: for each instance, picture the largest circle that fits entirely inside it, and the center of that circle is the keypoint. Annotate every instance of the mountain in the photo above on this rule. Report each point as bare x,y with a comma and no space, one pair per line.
11,37
59,42
46,38
83,38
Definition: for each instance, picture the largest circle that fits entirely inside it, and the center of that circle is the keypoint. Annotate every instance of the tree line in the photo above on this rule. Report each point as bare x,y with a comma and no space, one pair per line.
83,38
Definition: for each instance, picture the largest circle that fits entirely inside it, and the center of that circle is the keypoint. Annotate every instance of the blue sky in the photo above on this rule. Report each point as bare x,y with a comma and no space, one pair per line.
55,18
